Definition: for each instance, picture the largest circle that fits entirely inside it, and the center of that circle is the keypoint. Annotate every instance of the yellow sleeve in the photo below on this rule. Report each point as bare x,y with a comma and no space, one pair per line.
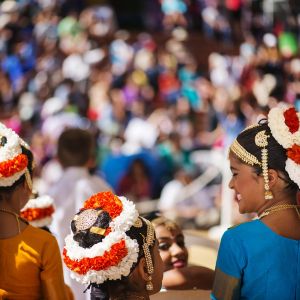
53,286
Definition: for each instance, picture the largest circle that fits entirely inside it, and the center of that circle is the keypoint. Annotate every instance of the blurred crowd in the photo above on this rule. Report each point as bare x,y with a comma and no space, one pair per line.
149,105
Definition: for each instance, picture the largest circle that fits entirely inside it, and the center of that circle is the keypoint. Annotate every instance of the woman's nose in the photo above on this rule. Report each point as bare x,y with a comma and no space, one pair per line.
176,249
230,184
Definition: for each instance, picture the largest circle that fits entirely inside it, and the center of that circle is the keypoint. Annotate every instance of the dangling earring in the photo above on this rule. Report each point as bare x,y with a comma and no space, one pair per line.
149,285
261,140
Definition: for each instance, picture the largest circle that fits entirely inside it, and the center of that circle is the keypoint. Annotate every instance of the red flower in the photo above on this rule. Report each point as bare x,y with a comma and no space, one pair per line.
13,166
294,153
32,214
291,119
109,258
106,201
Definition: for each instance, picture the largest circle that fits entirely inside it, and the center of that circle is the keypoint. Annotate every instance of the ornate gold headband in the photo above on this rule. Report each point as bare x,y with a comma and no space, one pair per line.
261,140
243,154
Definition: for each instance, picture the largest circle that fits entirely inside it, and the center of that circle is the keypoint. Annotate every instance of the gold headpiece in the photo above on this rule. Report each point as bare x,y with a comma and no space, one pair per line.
243,154
148,241
261,140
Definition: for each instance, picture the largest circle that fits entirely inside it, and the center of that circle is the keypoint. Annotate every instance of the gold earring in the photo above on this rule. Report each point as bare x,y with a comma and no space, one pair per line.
261,140
149,285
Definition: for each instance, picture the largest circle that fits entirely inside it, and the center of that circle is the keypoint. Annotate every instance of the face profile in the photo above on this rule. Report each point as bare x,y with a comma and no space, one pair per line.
171,246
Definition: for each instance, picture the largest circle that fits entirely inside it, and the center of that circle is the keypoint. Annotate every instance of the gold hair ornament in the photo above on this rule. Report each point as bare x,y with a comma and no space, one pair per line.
261,140
86,219
97,230
148,241
243,154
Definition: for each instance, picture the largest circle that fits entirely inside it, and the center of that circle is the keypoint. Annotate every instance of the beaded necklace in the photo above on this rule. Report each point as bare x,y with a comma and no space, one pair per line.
275,208
18,218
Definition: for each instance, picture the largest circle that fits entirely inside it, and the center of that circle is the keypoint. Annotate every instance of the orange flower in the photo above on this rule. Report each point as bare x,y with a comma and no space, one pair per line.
13,166
32,214
106,201
294,153
109,258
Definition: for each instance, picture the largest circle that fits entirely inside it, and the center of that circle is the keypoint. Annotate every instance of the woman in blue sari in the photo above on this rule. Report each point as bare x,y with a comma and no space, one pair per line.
260,259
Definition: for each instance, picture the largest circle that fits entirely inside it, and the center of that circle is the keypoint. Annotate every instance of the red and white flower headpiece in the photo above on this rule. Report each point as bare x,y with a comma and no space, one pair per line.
115,255
284,123
13,164
38,212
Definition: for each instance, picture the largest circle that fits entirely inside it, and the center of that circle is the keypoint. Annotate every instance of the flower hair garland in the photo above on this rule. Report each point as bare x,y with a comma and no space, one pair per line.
115,255
284,124
38,212
13,163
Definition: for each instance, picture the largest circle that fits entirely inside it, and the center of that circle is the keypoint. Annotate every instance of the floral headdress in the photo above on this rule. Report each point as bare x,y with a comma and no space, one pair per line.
38,212
284,124
13,164
115,255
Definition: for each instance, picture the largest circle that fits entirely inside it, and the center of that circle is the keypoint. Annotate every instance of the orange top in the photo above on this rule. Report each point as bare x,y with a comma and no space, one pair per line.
31,267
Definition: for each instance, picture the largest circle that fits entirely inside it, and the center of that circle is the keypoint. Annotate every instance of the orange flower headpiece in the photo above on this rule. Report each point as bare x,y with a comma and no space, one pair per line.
284,124
112,257
38,212
13,164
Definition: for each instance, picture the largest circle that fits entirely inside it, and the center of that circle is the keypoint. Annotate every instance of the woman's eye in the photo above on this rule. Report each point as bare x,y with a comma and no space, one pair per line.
163,246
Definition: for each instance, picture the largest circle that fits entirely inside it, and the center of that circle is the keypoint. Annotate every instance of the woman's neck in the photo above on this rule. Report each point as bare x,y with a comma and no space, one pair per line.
276,201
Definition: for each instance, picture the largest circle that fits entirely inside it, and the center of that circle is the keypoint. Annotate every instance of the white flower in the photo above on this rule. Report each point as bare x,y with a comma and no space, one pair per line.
42,222
126,218
280,130
39,202
293,169
112,273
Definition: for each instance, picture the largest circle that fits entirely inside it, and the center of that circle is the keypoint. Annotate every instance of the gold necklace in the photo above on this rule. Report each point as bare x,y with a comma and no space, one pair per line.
276,208
15,215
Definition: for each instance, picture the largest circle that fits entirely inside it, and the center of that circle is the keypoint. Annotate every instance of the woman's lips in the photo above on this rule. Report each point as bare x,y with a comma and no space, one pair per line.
179,264
238,197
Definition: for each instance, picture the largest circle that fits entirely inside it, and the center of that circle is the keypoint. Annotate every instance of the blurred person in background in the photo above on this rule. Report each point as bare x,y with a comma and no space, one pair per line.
75,153
178,275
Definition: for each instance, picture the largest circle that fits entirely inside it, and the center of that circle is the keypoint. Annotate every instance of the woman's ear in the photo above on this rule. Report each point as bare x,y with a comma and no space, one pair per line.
142,269
273,177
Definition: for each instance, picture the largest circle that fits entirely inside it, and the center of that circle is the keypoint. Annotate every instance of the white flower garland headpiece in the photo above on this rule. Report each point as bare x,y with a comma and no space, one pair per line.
115,255
13,164
38,211
284,123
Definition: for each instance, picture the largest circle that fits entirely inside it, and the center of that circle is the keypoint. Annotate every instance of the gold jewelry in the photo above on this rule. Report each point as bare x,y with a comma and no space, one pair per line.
261,140
148,241
86,219
243,154
149,285
18,218
97,230
138,223
28,179
276,208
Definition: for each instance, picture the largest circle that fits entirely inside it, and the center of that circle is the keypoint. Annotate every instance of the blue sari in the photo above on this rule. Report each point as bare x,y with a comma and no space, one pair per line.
256,263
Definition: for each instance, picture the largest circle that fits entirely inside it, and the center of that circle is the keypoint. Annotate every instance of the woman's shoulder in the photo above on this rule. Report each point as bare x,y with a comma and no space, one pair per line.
243,230
38,234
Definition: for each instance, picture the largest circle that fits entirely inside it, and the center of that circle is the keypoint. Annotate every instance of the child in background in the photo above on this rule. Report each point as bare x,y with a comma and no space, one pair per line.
178,275
76,148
